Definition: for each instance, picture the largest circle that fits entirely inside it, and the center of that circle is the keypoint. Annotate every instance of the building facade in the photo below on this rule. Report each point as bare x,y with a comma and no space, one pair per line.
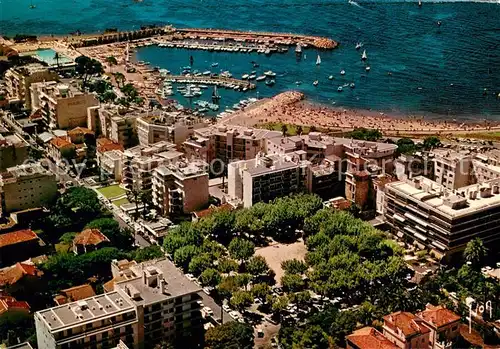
62,106
26,186
13,151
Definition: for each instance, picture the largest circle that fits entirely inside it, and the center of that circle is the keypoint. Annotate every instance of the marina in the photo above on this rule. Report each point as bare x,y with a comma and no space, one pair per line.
218,81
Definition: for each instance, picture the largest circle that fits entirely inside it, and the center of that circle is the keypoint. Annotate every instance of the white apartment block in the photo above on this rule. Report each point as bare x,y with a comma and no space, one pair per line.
19,79
62,106
155,303
267,177
96,322
139,163
174,127
181,187
112,163
26,186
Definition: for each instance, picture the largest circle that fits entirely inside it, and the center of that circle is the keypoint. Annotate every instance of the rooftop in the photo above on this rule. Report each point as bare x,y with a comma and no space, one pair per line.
21,346
264,164
238,131
184,169
57,90
408,323
83,311
370,338
60,142
90,237
10,303
17,237
24,171
452,203
176,283
15,140
438,316
31,68
74,294
12,274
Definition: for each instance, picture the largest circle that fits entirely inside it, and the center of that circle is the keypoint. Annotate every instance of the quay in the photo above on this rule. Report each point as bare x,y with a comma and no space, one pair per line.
203,80
219,46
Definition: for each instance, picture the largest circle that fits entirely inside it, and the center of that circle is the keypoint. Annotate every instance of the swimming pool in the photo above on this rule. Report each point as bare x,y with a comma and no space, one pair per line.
47,56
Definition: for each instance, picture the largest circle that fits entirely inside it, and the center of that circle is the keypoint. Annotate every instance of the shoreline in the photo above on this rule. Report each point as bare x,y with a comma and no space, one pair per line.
292,107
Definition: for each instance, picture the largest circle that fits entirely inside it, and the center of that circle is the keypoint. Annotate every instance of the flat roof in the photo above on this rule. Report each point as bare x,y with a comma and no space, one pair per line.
177,283
87,310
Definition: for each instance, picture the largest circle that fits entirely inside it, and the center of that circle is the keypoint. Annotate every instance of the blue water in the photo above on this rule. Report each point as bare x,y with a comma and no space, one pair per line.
399,37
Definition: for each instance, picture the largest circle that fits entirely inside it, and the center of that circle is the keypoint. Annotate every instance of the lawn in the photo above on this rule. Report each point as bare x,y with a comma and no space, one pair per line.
112,191
120,202
292,129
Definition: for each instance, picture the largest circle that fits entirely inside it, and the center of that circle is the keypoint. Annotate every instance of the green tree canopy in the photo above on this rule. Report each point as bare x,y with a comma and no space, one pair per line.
230,335
241,249
210,277
257,265
475,252
200,263
406,146
431,142
121,238
261,290
148,253
184,255
294,266
241,300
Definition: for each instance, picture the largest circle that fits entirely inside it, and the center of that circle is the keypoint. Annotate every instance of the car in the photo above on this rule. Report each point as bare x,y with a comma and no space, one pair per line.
208,311
206,290
257,301
234,314
241,320
226,307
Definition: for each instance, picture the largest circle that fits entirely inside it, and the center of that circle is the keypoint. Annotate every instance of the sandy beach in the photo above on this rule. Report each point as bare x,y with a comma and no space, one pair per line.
292,108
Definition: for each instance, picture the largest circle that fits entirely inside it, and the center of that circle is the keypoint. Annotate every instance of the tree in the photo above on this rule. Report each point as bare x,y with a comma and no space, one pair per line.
119,78
284,130
292,282
241,249
242,280
227,265
200,263
366,134
183,256
261,291
227,286
121,238
279,304
405,146
241,300
111,60
57,57
77,206
294,266
475,252
210,277
257,265
15,326
299,130
108,96
148,253
130,92
230,335
87,67
431,142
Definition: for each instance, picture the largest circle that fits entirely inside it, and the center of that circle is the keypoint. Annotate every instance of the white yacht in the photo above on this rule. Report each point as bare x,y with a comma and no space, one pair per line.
364,57
315,83
342,72
318,60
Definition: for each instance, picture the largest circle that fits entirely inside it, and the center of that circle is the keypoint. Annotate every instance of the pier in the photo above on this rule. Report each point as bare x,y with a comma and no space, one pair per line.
203,80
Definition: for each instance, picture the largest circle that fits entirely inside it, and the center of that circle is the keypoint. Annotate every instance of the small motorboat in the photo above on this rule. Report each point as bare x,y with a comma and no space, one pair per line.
215,64
340,89
244,76
298,49
261,78
364,57
206,72
359,45
298,83
330,77
318,60
267,51
367,68
251,77
270,73
270,82
315,83
342,72
256,65
352,85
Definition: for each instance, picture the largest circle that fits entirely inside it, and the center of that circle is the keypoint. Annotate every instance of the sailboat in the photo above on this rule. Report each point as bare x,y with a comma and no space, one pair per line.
215,94
364,56
318,60
419,3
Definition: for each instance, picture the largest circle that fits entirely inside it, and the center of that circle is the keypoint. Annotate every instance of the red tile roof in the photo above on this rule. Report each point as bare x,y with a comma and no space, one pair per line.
212,209
10,303
17,237
60,142
370,338
438,316
109,146
11,275
74,294
90,237
82,130
408,323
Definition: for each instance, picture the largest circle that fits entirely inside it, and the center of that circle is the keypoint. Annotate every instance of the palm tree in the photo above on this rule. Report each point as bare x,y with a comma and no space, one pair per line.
299,130
56,57
284,129
133,195
111,60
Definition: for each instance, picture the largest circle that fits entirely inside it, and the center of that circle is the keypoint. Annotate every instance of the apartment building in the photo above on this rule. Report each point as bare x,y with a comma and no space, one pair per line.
139,163
155,303
120,127
443,220
181,187
13,151
96,322
452,169
111,162
174,127
18,81
166,302
406,330
267,177
62,106
26,186
229,142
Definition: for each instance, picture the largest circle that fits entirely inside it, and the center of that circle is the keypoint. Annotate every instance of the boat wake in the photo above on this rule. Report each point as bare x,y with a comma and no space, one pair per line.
354,3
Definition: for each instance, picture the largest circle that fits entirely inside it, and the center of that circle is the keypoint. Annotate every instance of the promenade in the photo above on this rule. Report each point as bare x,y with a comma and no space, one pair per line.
203,80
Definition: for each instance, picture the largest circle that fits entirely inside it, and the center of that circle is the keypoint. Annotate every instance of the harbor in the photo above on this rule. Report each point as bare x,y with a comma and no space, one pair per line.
218,81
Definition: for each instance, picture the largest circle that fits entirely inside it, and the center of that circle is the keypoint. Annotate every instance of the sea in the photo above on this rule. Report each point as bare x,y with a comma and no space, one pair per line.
417,67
